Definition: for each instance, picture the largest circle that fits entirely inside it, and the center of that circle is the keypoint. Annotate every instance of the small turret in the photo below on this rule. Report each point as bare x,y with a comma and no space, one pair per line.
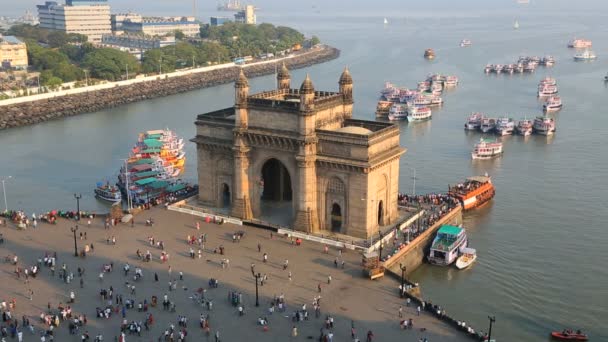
241,87
307,94
346,85
283,78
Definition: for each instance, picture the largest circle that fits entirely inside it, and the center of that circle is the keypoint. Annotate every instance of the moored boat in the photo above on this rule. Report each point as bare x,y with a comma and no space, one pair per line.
447,245
397,112
465,43
567,335
580,44
505,126
547,90
524,127
487,149
474,121
586,55
544,125
418,114
550,81
487,125
553,104
466,259
474,192
382,108
107,192
429,54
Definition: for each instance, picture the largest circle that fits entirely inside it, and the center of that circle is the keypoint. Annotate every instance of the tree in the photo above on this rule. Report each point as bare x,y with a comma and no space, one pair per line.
110,64
53,82
178,34
315,40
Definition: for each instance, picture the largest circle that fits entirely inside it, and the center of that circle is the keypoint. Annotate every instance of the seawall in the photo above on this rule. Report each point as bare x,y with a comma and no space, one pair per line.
33,112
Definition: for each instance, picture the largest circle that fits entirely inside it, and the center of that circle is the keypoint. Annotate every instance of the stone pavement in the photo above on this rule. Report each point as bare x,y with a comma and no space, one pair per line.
350,298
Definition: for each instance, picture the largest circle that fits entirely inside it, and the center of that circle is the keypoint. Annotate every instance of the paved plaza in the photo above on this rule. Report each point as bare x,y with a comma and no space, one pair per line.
350,299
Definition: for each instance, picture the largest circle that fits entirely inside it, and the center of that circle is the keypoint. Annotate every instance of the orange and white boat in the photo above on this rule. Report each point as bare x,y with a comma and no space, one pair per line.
474,192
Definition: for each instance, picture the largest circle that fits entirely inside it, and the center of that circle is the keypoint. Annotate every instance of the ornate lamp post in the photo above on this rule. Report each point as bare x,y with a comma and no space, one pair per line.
492,320
74,230
257,300
4,191
77,197
403,268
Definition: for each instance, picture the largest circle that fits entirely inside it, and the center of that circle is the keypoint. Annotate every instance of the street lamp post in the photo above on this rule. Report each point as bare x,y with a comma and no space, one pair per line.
414,185
403,268
127,69
381,246
74,230
492,320
78,197
4,191
86,77
257,299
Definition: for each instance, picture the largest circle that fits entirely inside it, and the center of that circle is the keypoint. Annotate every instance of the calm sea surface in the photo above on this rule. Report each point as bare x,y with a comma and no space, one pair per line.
542,243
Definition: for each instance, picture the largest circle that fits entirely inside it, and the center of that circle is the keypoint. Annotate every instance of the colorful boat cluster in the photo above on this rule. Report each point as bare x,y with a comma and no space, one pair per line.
506,126
399,103
523,65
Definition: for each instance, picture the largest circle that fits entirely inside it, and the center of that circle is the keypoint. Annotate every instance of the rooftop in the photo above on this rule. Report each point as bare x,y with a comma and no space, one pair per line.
10,40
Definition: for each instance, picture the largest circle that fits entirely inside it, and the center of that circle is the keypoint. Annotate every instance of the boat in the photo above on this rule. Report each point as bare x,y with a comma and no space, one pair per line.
487,125
547,81
516,25
466,259
505,126
231,5
474,121
397,112
487,149
547,90
429,54
447,245
450,81
465,43
424,86
383,107
107,192
544,125
529,67
524,127
569,336
580,44
553,104
474,192
436,88
420,100
488,68
385,21
606,78
586,55
418,114
547,61
497,68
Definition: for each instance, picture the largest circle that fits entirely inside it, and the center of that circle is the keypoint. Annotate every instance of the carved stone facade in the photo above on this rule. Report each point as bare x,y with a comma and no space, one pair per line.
300,146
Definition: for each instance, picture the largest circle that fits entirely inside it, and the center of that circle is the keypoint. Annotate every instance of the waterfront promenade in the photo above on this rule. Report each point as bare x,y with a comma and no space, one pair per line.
349,298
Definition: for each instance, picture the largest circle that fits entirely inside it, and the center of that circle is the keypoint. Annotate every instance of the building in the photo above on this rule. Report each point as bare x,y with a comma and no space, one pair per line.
298,153
13,53
219,21
88,17
136,44
246,16
161,26
116,20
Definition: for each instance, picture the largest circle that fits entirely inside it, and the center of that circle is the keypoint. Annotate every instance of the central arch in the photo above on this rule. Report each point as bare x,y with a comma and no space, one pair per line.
276,192
336,218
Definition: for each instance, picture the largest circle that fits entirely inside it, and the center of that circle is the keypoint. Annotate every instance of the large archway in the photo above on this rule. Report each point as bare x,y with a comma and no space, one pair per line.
276,193
336,218
225,195
381,213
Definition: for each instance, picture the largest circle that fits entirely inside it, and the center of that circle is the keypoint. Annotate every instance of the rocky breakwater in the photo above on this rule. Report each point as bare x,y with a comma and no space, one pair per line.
29,113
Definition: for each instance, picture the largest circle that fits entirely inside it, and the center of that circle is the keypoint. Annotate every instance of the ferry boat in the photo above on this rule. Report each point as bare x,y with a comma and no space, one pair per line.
436,101
487,149
466,259
465,43
553,104
505,126
451,81
447,245
382,108
550,81
519,68
585,56
107,192
487,125
516,25
547,61
429,54
529,67
488,68
547,90
544,125
580,44
474,121
497,68
474,192
420,100
419,114
508,68
397,112
524,127
424,86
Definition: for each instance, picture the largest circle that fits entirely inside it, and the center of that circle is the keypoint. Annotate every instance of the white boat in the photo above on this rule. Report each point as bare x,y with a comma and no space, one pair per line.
467,258
585,56
505,126
474,121
419,114
487,149
421,101
580,44
107,192
451,81
447,245
547,81
553,104
547,90
544,125
524,127
465,43
385,21
516,25
487,125
397,112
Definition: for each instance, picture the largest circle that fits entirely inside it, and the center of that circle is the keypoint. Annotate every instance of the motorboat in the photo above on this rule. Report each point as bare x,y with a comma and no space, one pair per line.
586,55
580,44
473,192
429,54
544,125
488,68
107,192
487,125
451,81
497,68
524,127
547,61
553,104
473,122
505,126
466,259
547,90
397,112
547,81
487,149
569,336
419,114
447,245
465,43
516,25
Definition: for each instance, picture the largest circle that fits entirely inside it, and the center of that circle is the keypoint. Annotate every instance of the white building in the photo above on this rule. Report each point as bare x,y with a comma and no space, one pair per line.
246,16
88,17
161,26
118,19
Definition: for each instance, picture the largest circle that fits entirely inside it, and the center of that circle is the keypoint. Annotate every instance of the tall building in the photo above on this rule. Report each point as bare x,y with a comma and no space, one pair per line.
118,19
219,21
13,53
161,26
88,17
246,16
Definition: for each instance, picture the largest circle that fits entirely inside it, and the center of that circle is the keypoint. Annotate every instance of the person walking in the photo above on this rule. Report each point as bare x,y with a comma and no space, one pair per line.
259,247
265,257
217,336
400,311
294,331
155,276
418,310
328,279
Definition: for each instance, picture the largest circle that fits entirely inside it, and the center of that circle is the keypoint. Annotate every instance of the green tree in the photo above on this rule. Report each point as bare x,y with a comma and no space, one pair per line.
179,35
153,59
54,82
315,40
110,64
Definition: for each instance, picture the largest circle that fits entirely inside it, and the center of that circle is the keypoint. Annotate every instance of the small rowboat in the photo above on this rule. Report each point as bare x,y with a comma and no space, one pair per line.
468,257
561,336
